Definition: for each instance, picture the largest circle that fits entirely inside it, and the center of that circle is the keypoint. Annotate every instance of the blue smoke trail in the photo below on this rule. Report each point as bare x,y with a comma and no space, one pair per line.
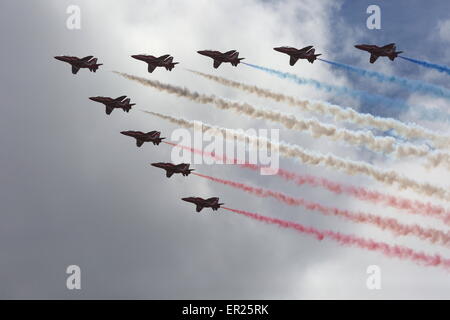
430,65
412,85
420,112
342,91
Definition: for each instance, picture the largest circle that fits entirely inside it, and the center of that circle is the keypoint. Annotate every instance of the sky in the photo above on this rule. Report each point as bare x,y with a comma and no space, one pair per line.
75,191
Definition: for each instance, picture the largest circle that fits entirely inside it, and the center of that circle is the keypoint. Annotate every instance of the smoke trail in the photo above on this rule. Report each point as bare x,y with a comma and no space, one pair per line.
314,127
410,206
438,67
409,131
412,85
423,113
432,235
343,91
400,252
313,158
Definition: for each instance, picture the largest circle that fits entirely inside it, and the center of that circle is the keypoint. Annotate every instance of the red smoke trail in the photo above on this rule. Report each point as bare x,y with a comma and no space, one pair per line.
400,252
411,206
390,224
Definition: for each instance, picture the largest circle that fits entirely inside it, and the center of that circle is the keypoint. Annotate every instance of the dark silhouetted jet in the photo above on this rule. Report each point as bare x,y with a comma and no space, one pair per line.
171,168
376,51
201,203
112,104
141,137
295,54
88,62
219,57
153,62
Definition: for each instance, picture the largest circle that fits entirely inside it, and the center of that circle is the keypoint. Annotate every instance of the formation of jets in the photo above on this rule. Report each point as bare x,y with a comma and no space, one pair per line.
232,57
166,61
121,102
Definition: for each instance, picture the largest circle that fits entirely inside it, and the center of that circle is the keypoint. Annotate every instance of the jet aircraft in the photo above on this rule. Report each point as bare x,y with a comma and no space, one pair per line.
141,137
171,168
201,203
88,62
307,53
376,51
231,56
165,61
117,103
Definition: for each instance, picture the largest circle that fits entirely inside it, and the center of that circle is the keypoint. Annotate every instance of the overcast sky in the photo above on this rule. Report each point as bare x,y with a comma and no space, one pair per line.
76,191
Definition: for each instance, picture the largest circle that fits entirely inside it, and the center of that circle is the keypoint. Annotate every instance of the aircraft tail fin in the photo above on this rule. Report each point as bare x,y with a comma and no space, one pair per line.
237,61
94,65
171,66
128,105
158,141
313,57
234,55
394,55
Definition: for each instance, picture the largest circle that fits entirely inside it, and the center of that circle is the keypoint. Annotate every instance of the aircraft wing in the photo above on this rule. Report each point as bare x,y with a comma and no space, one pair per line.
75,69
109,109
293,60
306,49
87,58
169,173
120,98
164,57
217,63
373,58
151,67
389,46
139,142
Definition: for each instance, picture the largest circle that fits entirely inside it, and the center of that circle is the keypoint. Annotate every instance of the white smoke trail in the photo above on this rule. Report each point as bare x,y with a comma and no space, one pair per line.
409,131
314,127
312,158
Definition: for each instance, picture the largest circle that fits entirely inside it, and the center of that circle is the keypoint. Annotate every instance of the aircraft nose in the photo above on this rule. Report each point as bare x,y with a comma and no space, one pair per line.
202,52
277,48
136,56
358,46
59,58
96,99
